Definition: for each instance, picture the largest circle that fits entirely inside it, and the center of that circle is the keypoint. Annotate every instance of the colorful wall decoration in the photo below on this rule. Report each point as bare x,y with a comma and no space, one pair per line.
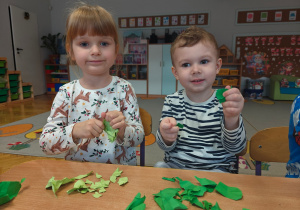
164,20
264,56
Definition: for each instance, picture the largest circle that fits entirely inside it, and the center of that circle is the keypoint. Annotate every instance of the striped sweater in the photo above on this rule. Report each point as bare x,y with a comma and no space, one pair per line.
203,143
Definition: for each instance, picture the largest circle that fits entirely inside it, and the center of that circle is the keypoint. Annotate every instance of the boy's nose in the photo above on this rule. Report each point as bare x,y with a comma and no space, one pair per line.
196,69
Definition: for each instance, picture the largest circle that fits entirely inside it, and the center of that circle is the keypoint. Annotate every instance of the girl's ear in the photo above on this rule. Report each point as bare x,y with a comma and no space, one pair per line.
219,65
175,73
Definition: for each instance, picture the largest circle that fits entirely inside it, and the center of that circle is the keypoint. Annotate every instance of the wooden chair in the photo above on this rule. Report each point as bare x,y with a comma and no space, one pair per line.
269,145
147,123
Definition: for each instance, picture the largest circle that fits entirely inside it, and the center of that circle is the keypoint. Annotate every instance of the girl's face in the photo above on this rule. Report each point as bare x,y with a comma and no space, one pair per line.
196,67
94,54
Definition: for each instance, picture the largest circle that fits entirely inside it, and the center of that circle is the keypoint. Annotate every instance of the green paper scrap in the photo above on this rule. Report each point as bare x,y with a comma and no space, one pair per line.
169,179
114,176
206,205
79,186
209,184
216,207
165,199
179,125
101,184
220,96
55,184
112,133
123,180
233,193
98,176
9,190
137,203
97,195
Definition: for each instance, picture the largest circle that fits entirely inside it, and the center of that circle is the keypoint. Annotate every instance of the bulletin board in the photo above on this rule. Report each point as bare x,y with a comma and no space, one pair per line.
268,16
164,20
265,55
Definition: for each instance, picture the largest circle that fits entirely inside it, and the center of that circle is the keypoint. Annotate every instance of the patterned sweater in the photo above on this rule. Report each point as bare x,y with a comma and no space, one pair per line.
73,104
203,143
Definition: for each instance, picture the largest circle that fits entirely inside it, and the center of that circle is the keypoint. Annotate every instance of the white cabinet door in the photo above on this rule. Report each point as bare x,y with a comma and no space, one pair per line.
155,70
168,79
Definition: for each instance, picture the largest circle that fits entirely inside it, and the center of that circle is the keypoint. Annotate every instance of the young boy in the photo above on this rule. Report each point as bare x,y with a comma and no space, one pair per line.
212,132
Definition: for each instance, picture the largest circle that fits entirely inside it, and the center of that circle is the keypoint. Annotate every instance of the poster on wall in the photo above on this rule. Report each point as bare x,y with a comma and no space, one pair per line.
267,55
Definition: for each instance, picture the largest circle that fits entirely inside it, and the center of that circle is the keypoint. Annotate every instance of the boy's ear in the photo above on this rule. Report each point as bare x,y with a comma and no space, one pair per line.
175,73
219,65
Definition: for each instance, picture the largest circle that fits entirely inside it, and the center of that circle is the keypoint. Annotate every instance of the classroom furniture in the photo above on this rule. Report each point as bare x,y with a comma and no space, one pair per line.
276,90
269,145
259,192
147,124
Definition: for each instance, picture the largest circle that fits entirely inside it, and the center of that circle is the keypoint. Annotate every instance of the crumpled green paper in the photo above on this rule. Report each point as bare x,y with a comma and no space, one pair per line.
233,193
112,133
137,203
220,96
166,199
114,176
9,190
208,184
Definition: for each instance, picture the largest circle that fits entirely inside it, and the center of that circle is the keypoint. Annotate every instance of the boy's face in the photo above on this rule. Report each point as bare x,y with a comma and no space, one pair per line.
196,67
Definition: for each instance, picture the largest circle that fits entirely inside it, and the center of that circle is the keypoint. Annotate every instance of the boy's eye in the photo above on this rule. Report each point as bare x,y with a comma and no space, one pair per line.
186,65
84,44
204,62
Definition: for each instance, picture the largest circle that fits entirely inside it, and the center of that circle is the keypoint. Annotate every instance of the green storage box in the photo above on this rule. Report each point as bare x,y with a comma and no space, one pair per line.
26,88
14,83
14,96
3,91
2,84
3,98
14,89
13,77
27,94
3,71
2,63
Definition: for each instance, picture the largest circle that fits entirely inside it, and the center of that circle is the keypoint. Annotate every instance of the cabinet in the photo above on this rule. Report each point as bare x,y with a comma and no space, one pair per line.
231,70
56,76
161,80
132,65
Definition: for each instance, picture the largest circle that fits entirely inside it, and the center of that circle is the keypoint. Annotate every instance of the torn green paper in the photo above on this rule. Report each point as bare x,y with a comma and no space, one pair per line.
123,180
165,199
209,184
79,186
137,203
112,133
55,184
220,96
179,125
97,195
9,190
233,193
114,176
169,179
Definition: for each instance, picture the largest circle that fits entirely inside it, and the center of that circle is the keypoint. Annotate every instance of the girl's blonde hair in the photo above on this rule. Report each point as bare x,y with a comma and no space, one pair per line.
93,20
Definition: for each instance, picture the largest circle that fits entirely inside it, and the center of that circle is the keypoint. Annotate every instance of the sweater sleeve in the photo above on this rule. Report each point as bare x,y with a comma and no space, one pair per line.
134,132
234,141
56,137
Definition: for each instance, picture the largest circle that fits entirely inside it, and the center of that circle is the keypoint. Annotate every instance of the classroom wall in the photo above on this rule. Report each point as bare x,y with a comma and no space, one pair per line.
40,8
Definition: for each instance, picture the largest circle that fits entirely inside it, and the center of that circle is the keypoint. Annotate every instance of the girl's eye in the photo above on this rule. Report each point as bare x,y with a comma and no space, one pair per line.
84,44
204,61
186,65
104,44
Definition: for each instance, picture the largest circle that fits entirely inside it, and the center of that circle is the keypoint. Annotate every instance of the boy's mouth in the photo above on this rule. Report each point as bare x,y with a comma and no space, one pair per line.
196,81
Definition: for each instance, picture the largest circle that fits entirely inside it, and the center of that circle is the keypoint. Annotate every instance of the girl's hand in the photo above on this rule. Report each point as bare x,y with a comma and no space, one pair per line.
232,107
168,130
87,129
117,121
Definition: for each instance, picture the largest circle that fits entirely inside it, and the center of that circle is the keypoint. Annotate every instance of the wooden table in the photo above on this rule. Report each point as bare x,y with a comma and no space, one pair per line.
258,192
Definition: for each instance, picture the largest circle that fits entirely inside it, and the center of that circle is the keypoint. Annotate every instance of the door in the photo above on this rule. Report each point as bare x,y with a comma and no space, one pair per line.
168,79
26,48
155,70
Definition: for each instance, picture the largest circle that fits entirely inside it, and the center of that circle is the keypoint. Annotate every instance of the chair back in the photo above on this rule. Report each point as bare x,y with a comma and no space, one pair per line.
147,124
270,145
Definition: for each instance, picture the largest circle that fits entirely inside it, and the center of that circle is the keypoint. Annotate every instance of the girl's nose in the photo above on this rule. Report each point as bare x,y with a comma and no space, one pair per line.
95,50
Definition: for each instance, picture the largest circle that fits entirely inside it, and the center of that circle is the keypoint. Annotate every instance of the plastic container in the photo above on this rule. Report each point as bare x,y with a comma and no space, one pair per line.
3,91
26,88
14,89
234,72
14,83
3,71
3,98
223,72
2,63
14,96
13,77
27,94
230,81
3,83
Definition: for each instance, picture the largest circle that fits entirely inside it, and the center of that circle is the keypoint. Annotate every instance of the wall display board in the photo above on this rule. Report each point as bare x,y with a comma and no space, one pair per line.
164,20
266,55
268,16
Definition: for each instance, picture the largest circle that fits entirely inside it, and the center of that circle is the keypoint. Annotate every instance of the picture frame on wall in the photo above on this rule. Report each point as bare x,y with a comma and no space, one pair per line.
292,15
278,16
140,22
166,20
132,22
149,21
157,21
250,17
123,23
201,19
263,16
192,19
174,20
183,20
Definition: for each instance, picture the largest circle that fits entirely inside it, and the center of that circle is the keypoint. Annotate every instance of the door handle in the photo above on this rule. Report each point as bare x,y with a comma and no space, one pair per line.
18,50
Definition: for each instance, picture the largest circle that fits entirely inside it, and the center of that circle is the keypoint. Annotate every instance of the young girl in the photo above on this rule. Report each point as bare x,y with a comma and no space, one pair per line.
76,122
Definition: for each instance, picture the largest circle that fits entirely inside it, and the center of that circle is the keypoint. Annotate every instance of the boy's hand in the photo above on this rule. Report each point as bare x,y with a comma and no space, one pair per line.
87,129
168,130
232,107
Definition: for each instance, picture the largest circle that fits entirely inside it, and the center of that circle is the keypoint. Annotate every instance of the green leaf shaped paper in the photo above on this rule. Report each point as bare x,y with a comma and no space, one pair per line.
220,96
112,133
229,192
9,190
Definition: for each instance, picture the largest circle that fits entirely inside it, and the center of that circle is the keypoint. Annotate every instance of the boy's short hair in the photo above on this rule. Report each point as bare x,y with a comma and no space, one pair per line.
192,36
93,20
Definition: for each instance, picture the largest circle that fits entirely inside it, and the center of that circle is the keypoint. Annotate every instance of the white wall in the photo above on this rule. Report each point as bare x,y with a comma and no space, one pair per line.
40,8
